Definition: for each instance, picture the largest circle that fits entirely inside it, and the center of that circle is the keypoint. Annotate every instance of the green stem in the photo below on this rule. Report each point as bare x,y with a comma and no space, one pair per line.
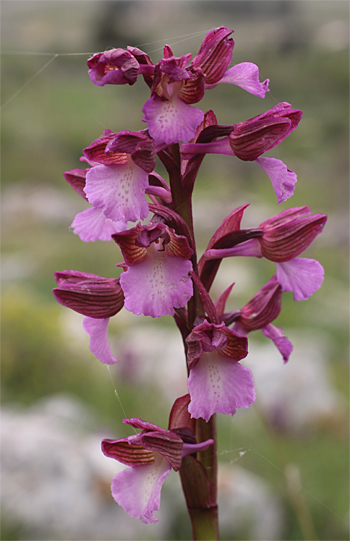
204,524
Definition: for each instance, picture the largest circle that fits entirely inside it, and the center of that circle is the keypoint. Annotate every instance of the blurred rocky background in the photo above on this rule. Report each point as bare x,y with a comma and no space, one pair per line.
283,462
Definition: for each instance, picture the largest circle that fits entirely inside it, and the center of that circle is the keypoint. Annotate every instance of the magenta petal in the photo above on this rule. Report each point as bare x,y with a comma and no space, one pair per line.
246,75
281,342
92,224
218,384
119,190
158,284
99,345
171,121
137,489
282,178
301,275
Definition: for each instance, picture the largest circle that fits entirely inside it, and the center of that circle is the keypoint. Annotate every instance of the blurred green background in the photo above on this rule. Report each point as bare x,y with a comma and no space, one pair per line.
49,116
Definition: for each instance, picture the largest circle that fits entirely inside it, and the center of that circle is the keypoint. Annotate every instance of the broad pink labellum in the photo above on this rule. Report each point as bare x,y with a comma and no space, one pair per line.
157,279
157,285
137,489
171,121
119,190
218,384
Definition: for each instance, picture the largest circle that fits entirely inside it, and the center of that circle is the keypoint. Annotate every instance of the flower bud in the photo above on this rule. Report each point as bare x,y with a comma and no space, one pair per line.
116,66
89,294
251,138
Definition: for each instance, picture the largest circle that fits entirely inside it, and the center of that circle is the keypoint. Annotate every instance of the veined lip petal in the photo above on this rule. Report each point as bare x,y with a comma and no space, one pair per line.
171,121
137,489
119,190
166,284
218,384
